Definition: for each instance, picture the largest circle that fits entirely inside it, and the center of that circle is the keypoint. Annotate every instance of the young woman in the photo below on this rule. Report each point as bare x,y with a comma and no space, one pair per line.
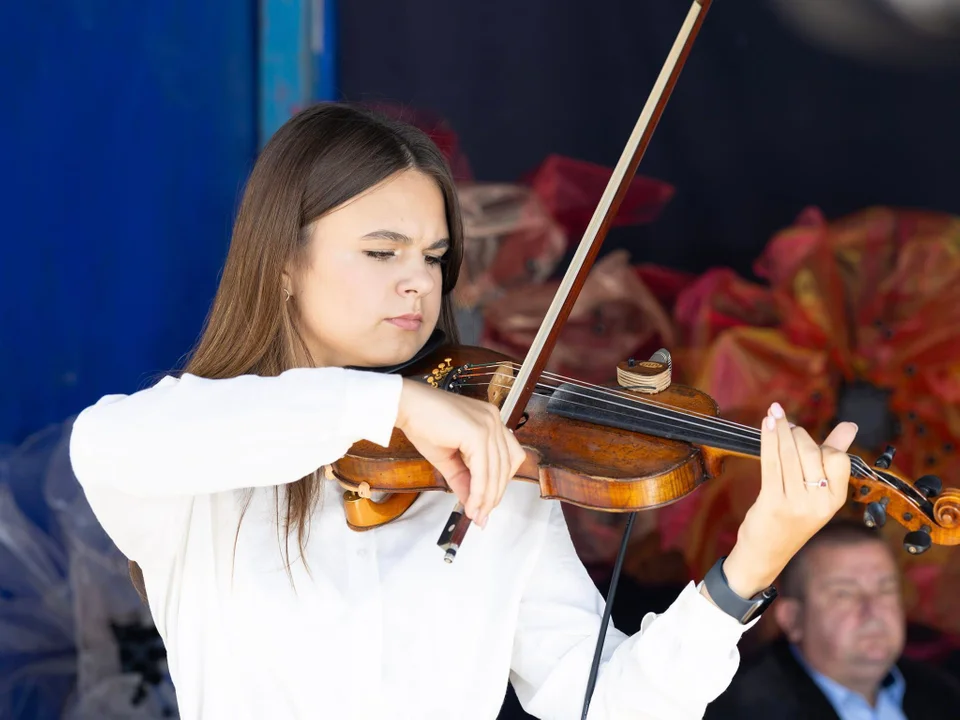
344,254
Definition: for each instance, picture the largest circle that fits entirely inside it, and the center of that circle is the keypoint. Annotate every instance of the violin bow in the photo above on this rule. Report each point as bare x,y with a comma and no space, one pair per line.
573,280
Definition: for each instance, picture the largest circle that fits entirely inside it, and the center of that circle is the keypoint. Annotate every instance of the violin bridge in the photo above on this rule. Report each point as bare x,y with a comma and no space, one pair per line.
500,383
650,377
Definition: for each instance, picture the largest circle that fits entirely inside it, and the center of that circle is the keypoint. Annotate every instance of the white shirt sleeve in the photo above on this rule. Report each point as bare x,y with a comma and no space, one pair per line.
647,675
142,458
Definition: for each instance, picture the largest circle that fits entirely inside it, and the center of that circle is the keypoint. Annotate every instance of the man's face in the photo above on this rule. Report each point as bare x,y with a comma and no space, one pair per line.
850,623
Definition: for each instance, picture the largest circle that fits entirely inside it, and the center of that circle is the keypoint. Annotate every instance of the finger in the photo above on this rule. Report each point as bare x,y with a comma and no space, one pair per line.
790,467
491,481
517,454
771,481
842,436
478,461
498,467
455,473
506,464
836,461
836,466
810,459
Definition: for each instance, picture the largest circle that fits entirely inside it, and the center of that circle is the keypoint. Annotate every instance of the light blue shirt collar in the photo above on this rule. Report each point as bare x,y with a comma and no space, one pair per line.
850,705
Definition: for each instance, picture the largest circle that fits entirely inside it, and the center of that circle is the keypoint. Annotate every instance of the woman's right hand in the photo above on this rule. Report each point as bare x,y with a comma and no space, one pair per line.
465,440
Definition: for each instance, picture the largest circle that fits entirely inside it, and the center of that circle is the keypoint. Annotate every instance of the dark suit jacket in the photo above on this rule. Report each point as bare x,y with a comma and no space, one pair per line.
772,684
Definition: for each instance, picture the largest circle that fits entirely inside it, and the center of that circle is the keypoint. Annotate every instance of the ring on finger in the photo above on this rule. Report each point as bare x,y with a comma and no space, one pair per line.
822,482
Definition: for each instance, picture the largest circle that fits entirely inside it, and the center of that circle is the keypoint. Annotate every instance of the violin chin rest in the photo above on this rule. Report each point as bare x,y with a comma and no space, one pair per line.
365,513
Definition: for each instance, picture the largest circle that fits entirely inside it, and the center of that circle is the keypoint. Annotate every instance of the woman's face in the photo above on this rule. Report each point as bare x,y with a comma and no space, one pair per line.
369,293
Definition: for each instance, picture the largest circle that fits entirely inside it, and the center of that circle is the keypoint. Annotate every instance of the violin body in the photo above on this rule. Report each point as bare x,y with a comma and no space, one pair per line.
587,463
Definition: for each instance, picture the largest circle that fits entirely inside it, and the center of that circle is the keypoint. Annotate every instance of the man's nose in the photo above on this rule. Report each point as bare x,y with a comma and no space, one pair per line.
873,606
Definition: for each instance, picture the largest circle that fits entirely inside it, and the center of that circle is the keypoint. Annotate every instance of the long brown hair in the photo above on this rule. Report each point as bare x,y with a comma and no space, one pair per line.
321,158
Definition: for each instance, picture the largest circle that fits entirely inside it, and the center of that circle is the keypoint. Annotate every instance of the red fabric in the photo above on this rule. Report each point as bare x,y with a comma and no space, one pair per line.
571,190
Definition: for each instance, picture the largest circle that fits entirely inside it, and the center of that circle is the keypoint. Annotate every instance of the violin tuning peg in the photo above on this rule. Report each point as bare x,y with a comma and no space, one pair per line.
875,514
917,542
929,485
886,460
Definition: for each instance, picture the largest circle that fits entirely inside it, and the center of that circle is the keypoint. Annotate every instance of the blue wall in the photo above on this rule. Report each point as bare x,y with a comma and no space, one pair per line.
127,130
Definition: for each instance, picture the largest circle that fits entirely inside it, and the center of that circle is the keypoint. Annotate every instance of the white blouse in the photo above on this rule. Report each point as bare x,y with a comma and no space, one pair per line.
376,624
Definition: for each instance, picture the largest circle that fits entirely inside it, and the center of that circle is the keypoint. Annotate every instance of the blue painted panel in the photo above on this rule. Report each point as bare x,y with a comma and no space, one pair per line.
128,131
284,62
298,58
325,49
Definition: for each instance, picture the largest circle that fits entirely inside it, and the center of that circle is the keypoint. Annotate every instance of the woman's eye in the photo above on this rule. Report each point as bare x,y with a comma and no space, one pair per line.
379,254
388,254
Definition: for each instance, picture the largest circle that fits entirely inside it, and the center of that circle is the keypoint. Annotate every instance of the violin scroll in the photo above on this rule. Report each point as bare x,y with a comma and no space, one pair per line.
930,513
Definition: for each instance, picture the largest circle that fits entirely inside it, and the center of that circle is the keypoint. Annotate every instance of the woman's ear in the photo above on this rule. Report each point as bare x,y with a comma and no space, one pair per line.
788,612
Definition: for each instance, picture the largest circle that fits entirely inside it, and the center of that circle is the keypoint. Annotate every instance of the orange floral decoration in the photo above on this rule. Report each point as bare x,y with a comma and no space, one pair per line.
858,320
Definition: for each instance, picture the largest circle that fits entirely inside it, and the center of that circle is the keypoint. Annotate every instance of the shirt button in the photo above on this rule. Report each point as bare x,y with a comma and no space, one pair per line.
361,553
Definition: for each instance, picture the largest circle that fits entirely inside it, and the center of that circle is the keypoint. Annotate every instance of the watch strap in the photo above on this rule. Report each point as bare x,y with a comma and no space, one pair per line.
743,610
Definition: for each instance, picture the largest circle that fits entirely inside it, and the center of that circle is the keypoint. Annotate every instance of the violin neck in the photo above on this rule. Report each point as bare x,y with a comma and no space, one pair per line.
598,406
602,407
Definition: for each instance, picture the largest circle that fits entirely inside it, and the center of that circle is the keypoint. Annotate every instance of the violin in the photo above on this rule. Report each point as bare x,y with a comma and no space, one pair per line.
641,444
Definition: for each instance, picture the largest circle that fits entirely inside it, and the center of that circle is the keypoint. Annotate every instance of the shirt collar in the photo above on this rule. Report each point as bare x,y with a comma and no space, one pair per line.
892,686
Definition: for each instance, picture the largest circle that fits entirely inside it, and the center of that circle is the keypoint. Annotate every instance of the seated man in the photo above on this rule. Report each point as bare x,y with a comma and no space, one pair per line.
841,613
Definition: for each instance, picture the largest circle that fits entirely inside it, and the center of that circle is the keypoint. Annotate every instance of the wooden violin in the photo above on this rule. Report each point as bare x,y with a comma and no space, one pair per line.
641,444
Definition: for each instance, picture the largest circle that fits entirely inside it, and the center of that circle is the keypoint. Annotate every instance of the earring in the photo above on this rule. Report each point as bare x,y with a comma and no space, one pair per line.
288,295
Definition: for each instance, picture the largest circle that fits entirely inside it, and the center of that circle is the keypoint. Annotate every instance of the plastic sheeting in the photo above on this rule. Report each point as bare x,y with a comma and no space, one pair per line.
75,640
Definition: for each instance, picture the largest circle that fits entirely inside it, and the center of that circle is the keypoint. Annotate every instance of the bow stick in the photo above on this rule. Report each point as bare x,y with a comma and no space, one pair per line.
540,350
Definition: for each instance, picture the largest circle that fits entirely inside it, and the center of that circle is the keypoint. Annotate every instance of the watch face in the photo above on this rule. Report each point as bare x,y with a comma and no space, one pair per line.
767,597
754,612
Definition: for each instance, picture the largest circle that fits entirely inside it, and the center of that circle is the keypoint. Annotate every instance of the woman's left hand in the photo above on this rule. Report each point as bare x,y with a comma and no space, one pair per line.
803,485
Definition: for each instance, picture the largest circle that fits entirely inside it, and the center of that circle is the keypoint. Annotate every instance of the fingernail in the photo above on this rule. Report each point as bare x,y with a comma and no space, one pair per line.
769,423
776,410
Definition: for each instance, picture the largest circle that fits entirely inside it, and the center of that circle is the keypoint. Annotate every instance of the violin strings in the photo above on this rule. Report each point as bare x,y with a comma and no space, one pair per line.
708,422
711,422
736,431
714,421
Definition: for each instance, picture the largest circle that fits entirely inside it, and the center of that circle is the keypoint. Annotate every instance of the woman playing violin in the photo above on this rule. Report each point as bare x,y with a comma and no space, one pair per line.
344,254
